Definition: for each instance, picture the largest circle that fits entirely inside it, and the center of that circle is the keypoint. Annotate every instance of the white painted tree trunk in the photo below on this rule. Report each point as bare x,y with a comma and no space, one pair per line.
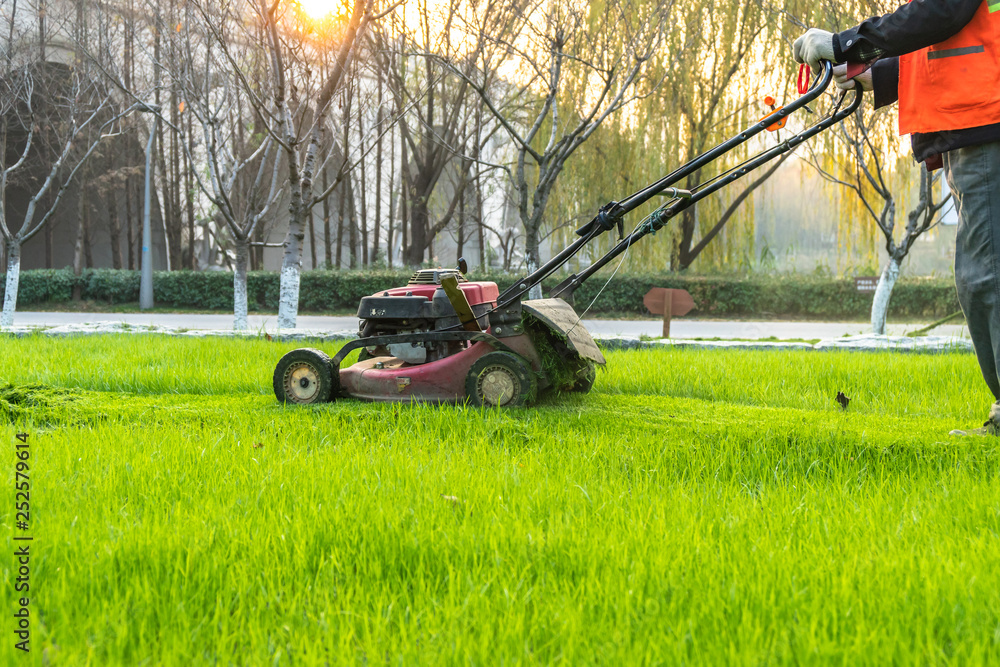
531,266
240,286
288,296
13,279
291,267
880,304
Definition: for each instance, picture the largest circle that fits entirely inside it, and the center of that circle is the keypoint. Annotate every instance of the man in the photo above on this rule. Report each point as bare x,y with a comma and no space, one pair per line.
941,60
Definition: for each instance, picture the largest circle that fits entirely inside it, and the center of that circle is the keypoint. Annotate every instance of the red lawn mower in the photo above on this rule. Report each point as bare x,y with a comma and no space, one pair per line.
444,339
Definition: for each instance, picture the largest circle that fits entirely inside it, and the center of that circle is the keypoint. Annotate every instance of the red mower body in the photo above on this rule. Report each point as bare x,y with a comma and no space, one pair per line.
442,381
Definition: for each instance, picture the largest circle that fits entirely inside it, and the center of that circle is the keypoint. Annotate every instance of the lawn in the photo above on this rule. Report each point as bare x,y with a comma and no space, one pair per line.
698,507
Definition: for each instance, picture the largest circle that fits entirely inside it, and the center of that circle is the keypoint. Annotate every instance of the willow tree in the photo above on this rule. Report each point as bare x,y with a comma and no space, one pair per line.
714,88
716,67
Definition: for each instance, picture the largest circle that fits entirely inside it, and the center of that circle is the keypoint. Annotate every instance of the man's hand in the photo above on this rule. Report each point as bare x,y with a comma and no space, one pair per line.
840,78
812,47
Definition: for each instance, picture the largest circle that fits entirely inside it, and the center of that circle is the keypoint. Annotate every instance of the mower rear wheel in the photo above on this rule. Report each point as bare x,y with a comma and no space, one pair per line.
501,380
304,376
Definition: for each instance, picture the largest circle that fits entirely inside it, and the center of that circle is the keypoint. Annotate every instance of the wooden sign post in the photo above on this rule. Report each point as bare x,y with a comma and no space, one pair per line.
669,303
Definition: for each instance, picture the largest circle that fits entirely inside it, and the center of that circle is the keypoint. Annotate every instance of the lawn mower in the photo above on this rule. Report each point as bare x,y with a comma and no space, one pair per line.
442,338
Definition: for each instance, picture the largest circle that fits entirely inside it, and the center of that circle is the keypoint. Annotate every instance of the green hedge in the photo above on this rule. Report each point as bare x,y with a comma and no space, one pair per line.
786,294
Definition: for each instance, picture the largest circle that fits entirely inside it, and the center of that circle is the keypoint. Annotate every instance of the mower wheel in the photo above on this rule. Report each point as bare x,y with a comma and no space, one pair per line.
305,376
585,372
500,380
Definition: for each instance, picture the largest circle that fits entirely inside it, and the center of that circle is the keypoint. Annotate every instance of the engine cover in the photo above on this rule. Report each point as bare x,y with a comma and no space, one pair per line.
423,305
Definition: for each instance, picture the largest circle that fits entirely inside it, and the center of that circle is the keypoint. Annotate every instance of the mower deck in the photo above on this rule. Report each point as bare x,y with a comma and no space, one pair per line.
443,381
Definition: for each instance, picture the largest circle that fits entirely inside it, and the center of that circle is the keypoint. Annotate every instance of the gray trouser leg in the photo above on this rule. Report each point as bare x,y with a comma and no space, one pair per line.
974,178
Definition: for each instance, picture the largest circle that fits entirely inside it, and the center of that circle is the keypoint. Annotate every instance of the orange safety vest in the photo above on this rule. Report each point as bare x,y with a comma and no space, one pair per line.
955,84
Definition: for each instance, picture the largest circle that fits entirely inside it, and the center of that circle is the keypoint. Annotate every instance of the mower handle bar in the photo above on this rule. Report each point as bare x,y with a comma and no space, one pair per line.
663,214
612,213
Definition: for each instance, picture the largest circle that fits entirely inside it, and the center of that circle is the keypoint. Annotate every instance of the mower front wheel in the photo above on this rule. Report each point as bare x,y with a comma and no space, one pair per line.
305,376
500,380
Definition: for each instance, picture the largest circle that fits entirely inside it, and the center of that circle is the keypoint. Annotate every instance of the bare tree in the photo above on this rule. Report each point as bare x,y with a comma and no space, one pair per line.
239,158
863,171
440,123
52,119
306,63
243,182
576,66
300,135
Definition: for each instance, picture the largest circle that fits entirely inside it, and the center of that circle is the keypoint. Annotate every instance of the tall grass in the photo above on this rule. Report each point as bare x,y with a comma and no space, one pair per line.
697,507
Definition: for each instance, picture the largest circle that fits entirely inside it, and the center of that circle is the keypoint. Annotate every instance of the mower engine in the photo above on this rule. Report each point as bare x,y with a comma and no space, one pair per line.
422,305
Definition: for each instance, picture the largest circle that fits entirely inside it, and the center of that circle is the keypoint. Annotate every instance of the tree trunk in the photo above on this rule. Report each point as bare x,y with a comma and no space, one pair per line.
341,196
418,231
404,195
291,266
78,259
13,279
880,304
176,226
129,216
240,285
327,239
378,170
88,255
531,255
459,251
312,237
352,227
114,230
362,211
189,195
300,180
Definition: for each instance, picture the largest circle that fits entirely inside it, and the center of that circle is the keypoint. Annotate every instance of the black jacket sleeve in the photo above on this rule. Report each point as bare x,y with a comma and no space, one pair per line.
885,82
913,26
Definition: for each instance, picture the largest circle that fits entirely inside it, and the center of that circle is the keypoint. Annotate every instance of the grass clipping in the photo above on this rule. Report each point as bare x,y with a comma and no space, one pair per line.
26,401
560,363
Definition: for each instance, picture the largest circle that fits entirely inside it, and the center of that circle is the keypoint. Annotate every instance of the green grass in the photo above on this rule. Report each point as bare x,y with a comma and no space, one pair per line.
699,507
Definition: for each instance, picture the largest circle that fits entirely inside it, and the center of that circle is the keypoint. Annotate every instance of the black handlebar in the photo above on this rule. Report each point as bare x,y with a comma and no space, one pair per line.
612,213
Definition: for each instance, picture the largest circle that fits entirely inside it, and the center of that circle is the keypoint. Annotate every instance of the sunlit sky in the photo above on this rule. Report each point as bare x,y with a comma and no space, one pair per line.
319,9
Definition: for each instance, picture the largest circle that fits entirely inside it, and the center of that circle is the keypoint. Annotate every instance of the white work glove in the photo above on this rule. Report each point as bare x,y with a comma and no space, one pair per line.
840,78
812,47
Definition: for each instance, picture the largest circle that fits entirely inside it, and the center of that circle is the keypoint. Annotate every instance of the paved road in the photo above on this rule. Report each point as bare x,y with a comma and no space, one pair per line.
682,328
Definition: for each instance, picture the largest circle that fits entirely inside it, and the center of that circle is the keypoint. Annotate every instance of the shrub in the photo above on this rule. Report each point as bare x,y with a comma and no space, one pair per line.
771,295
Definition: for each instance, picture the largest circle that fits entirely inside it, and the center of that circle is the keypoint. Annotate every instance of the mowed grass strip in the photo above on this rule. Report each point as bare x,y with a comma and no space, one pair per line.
697,507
